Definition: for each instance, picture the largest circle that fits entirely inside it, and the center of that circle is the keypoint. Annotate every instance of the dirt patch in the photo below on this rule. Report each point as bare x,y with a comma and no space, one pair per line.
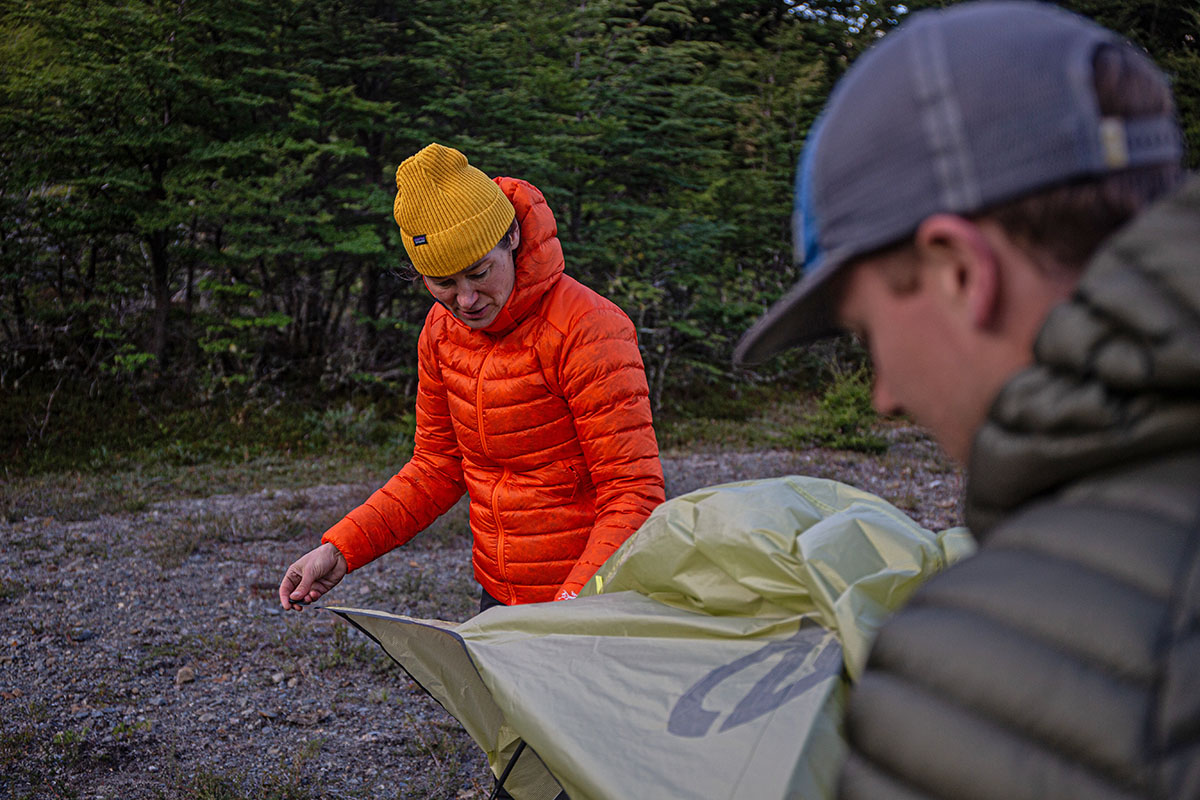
145,655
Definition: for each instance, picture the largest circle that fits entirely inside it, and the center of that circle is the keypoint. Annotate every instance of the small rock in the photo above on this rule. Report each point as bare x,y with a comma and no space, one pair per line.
292,681
208,717
303,718
185,675
276,677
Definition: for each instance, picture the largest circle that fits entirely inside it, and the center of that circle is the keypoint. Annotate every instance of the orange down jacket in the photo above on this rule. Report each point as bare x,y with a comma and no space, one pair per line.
542,418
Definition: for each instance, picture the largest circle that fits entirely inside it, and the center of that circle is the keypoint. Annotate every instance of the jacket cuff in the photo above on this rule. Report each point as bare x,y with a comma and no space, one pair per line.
574,582
342,536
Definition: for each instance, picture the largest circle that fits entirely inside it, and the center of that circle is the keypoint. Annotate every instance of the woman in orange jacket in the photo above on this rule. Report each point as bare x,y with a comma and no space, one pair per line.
532,399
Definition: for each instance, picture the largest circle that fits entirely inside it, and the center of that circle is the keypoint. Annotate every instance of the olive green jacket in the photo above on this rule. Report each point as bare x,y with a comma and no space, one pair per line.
1063,660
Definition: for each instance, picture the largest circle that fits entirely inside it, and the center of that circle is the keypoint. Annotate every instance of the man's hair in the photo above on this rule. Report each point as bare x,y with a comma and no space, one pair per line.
507,238
1060,228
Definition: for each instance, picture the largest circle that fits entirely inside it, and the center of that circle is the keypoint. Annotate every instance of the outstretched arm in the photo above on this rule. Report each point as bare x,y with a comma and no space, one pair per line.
429,484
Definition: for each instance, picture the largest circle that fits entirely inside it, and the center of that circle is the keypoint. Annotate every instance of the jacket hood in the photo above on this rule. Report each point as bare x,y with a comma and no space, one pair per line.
539,259
1116,375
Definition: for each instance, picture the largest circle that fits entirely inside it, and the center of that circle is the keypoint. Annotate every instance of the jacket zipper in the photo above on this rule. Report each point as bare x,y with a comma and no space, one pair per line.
479,401
574,482
500,564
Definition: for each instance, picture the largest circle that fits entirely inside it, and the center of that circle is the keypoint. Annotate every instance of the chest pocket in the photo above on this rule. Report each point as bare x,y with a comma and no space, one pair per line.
555,484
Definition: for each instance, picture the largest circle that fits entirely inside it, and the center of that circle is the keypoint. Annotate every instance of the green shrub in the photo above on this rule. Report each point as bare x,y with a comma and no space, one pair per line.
844,418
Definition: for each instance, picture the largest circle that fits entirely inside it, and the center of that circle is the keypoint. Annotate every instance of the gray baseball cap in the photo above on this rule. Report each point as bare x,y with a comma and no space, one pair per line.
958,110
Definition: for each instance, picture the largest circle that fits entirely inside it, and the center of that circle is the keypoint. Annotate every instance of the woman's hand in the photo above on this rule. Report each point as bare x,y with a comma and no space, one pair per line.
312,575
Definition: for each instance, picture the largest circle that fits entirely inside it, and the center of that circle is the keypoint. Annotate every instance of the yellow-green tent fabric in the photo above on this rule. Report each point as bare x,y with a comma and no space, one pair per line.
708,658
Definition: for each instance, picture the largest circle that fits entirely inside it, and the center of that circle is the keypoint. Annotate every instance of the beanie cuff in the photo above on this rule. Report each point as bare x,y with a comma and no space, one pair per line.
440,253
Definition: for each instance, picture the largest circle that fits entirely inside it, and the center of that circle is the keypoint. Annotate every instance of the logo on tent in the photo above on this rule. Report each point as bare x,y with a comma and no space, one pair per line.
812,653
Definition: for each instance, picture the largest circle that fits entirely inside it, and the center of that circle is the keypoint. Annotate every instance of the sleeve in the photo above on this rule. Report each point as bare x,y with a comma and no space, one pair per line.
424,489
604,381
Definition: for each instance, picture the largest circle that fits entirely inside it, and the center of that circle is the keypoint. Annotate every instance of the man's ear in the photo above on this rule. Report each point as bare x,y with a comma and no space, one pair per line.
515,239
968,266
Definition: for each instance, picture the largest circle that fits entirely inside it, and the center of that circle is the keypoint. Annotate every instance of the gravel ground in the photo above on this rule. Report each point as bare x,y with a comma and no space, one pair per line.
145,655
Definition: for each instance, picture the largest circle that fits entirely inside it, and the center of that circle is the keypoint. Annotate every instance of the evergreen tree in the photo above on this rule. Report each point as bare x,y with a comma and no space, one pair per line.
202,192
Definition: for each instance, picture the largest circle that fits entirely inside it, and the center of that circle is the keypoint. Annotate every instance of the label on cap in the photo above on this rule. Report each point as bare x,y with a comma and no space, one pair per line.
419,240
1113,141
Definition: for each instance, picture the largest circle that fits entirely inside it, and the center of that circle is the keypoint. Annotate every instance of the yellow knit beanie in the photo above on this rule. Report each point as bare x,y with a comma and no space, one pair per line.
450,214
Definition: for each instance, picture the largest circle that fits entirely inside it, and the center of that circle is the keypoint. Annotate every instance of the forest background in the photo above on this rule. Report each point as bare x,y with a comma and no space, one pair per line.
197,256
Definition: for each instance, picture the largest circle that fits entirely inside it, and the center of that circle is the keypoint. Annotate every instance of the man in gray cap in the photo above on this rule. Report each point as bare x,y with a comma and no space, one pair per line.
994,201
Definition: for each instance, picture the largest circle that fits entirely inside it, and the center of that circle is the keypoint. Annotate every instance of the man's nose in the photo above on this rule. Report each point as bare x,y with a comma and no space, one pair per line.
466,295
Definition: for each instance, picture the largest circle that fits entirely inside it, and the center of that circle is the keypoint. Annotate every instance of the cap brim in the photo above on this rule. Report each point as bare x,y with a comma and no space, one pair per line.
806,313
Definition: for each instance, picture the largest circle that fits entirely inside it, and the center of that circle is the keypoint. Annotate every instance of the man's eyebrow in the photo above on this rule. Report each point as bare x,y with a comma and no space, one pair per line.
477,264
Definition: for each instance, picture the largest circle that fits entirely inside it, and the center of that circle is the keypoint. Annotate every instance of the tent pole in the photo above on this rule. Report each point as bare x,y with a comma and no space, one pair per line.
512,762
